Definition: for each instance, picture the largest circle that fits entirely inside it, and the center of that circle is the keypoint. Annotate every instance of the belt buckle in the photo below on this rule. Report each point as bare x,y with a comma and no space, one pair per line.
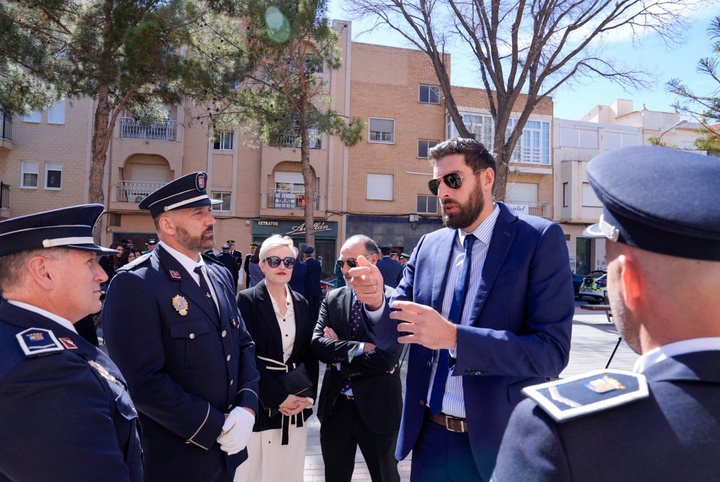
463,424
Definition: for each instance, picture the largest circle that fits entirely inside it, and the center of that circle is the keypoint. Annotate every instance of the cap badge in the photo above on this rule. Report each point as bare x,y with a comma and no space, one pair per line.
604,384
180,304
200,181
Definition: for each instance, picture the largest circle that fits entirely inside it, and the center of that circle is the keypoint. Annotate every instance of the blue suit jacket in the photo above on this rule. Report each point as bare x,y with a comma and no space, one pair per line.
519,334
186,371
66,415
391,270
671,435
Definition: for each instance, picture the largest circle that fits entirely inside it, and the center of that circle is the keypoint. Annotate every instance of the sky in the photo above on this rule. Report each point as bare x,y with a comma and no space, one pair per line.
574,101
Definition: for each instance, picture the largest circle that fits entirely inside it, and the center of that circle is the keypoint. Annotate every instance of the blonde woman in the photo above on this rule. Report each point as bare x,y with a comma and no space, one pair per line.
280,323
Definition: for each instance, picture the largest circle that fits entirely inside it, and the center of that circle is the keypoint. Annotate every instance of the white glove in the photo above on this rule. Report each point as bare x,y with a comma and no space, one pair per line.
236,430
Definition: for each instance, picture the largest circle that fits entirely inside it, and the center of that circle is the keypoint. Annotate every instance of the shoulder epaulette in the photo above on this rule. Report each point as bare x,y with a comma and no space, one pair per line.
588,393
38,341
136,262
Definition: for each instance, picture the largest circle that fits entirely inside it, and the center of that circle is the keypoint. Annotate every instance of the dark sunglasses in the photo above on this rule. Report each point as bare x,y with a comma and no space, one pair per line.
453,180
274,262
352,262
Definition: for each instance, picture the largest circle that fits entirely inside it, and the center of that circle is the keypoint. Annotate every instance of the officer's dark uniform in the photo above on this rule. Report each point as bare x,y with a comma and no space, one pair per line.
65,412
188,365
659,425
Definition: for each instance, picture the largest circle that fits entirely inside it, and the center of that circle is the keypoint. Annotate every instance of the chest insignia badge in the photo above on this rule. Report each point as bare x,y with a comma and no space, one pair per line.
180,304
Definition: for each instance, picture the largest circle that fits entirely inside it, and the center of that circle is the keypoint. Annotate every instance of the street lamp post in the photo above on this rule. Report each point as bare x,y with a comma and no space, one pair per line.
677,124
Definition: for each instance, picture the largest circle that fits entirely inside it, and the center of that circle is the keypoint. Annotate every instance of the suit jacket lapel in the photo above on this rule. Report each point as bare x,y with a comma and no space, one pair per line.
267,313
187,285
502,239
442,258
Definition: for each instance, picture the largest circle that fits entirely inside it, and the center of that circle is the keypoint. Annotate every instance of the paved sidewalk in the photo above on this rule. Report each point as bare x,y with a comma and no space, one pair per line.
593,341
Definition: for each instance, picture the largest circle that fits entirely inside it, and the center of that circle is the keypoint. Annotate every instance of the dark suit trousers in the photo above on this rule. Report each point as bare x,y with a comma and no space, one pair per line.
440,455
342,433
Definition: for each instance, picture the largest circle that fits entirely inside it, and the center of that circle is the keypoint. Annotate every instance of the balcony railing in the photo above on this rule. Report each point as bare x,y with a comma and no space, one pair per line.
135,191
131,128
293,139
530,207
4,196
6,128
289,200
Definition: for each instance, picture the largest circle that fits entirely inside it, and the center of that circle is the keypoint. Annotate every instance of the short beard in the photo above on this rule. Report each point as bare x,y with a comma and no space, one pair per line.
198,244
467,214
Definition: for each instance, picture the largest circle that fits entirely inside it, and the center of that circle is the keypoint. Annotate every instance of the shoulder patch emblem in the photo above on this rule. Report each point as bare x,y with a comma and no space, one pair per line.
588,393
38,341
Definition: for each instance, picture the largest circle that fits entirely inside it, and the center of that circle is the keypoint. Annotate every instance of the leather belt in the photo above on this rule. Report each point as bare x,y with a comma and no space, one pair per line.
453,424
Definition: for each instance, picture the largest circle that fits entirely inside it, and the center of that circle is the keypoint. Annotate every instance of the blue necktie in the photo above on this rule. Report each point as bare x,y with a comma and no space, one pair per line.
456,309
206,289
355,320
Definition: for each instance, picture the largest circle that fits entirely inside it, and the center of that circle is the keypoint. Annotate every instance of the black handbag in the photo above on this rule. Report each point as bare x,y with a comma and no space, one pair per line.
296,381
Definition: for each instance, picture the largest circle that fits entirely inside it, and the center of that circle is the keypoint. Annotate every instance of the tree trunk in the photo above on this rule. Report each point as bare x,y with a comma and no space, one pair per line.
100,142
309,181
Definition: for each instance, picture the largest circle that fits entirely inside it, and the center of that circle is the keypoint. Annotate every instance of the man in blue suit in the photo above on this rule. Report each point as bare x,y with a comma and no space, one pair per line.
486,304
661,221
65,411
390,269
172,325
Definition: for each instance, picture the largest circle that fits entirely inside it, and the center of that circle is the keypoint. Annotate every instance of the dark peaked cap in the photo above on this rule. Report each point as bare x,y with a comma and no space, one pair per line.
658,199
184,192
69,227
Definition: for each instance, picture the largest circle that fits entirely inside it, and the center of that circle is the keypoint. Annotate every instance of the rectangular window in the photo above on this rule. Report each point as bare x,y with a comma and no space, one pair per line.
424,146
34,116
380,187
589,198
429,94
29,174
224,141
382,130
427,204
565,194
53,175
56,113
225,197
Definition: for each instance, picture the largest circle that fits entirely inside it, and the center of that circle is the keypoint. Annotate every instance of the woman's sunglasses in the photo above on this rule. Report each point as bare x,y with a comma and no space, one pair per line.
453,180
274,262
352,262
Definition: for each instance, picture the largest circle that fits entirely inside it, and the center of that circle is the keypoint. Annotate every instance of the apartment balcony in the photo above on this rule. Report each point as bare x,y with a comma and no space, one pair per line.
131,128
4,200
135,191
530,207
293,139
6,131
288,200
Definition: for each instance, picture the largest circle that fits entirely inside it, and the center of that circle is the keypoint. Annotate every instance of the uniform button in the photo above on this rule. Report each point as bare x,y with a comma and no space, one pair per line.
429,364
230,407
224,333
231,382
422,402
229,357
192,336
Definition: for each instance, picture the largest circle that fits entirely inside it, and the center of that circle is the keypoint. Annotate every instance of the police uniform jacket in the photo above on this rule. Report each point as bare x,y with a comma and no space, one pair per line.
65,413
671,434
187,366
312,281
257,311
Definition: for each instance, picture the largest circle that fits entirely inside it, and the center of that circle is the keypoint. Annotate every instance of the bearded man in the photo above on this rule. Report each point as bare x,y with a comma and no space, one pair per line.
485,303
173,327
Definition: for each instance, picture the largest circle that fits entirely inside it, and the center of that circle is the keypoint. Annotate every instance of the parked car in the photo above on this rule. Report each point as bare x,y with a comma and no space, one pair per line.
594,286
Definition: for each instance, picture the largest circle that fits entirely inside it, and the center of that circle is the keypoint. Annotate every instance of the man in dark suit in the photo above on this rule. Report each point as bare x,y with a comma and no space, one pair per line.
299,277
661,218
360,401
246,267
313,289
65,411
486,304
172,325
390,269
235,254
230,262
